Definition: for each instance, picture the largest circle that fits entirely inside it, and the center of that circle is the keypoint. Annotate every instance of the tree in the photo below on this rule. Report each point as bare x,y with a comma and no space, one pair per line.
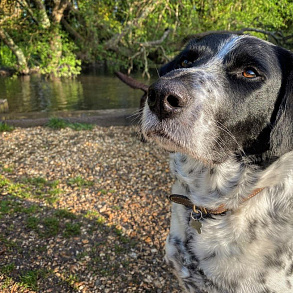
47,46
51,35
9,11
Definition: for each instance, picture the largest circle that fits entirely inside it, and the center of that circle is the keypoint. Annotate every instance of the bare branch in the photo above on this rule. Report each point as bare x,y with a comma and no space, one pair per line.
132,82
72,31
156,42
21,60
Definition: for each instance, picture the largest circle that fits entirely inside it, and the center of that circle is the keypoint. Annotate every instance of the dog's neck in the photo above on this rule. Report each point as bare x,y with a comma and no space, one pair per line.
226,184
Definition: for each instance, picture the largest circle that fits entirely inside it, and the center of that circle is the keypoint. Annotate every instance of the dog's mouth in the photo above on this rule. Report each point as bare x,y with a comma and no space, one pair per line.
166,141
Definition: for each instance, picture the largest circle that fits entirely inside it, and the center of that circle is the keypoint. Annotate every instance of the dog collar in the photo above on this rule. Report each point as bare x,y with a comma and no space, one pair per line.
204,212
198,213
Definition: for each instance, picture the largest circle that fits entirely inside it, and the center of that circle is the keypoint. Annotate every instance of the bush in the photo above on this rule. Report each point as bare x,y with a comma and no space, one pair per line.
4,127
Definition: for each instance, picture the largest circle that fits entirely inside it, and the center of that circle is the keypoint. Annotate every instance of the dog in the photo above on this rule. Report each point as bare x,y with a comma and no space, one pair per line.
223,108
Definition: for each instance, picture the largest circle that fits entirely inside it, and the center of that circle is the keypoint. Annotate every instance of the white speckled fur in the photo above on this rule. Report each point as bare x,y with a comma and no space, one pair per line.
226,238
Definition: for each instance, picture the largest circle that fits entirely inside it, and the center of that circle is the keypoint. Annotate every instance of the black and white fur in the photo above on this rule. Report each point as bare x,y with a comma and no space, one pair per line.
224,109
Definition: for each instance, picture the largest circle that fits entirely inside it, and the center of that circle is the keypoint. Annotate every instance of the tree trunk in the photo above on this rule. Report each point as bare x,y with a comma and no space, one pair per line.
21,60
43,19
56,41
56,48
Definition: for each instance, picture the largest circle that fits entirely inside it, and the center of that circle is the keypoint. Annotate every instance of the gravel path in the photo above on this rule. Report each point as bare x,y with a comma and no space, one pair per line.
83,211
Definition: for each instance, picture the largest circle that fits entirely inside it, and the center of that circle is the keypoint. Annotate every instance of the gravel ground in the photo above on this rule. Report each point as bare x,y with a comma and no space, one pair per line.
83,211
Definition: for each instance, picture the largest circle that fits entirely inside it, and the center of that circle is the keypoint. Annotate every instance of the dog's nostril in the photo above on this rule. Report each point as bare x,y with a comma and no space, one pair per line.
173,101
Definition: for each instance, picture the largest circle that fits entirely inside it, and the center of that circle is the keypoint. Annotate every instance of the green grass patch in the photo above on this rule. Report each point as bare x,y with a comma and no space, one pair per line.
42,188
30,279
51,227
9,206
37,187
58,123
32,223
7,269
65,214
33,209
4,127
71,280
4,181
71,230
79,182
9,244
5,207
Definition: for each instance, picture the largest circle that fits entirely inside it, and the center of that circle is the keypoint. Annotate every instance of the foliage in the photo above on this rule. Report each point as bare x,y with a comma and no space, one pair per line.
4,127
121,32
7,58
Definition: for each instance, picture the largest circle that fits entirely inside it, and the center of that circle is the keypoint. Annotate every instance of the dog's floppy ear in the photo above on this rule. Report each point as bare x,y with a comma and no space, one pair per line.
281,137
168,67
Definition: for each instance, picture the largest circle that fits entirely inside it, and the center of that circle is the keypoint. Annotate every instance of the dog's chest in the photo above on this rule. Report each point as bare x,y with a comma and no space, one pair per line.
234,249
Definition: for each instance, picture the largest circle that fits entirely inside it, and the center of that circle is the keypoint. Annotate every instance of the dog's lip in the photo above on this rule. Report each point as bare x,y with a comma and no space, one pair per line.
158,132
164,136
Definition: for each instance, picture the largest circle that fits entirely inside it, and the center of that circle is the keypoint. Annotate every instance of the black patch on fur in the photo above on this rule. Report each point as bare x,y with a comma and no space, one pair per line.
252,234
209,256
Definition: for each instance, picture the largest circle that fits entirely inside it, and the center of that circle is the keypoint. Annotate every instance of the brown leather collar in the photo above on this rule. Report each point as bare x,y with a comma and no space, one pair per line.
184,200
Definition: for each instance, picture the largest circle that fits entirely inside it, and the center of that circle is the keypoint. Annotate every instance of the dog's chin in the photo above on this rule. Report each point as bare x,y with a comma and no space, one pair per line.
163,141
208,157
173,146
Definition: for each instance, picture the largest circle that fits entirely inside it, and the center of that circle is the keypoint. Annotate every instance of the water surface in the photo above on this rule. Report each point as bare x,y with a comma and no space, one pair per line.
97,90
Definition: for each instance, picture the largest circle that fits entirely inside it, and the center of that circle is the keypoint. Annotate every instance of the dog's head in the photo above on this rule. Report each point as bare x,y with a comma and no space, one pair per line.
224,95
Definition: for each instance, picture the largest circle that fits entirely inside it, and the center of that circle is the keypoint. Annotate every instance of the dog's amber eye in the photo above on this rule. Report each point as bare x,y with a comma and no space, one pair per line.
249,73
185,63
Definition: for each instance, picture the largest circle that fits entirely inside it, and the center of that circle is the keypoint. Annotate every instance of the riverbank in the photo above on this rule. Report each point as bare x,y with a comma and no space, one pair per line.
109,117
83,211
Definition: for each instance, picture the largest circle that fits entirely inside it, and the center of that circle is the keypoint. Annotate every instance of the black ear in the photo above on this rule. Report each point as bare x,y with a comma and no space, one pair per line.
281,140
168,67
281,137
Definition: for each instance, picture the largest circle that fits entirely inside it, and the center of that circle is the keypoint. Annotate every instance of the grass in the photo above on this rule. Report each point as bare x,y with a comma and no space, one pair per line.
27,200
79,182
37,188
58,123
7,269
71,230
4,127
65,214
30,278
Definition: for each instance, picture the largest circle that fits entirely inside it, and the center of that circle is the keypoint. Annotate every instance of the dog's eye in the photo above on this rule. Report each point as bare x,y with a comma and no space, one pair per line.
249,73
185,63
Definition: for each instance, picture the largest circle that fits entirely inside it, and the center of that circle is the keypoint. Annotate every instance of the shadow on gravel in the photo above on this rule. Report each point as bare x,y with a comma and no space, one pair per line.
43,249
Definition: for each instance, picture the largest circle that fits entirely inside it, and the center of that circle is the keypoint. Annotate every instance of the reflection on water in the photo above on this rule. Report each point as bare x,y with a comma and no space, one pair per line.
94,91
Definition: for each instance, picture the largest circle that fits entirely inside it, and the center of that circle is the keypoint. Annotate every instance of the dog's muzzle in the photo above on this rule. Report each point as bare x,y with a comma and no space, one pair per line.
167,98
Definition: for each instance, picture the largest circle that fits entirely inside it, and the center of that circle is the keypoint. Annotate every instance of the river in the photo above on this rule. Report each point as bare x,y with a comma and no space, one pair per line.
95,90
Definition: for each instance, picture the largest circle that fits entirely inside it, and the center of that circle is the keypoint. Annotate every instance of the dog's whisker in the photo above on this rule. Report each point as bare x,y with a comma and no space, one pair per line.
226,130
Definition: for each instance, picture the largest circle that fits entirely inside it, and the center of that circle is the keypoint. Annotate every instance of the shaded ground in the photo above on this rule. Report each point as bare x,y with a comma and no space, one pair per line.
83,211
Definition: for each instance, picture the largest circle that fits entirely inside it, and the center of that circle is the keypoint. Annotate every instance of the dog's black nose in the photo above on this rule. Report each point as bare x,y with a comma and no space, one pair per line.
167,98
